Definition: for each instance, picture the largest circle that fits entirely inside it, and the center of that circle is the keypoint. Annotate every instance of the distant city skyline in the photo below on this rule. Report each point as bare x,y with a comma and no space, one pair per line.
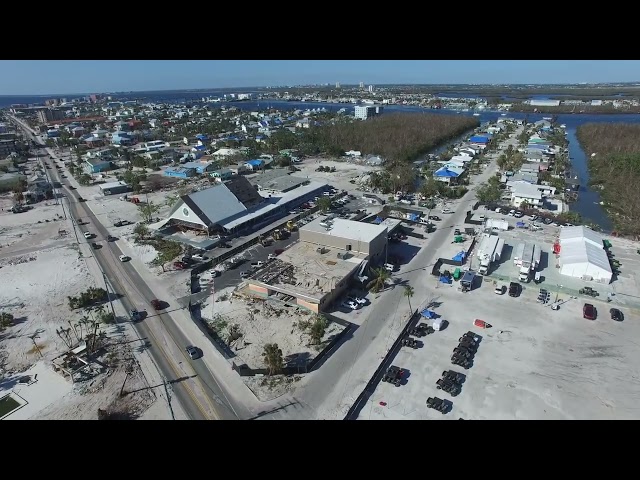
68,77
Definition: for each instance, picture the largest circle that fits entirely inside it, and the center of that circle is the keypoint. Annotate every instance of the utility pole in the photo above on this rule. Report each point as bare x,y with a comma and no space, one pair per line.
33,339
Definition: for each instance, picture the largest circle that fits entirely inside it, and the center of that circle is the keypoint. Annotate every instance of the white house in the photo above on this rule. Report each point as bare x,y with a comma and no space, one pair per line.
525,192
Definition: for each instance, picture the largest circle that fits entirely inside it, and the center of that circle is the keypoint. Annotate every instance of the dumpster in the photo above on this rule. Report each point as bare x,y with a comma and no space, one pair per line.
457,273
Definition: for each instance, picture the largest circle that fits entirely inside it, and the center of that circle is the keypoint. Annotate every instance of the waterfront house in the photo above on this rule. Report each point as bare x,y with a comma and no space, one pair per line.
525,192
179,172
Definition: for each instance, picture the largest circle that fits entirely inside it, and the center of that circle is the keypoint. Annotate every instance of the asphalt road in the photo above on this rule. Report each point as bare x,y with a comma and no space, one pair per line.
188,379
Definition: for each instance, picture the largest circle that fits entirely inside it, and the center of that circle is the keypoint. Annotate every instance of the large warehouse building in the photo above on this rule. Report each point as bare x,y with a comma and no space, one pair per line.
316,271
235,205
582,255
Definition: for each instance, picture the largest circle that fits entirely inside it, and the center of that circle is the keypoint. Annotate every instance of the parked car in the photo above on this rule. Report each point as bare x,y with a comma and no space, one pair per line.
198,257
518,214
244,274
157,304
124,258
88,235
500,289
515,289
134,315
193,352
80,199
272,256
111,238
616,315
95,245
589,312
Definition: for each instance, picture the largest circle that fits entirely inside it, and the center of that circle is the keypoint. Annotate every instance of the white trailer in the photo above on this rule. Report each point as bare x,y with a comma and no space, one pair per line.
526,264
489,251
537,253
517,254
496,223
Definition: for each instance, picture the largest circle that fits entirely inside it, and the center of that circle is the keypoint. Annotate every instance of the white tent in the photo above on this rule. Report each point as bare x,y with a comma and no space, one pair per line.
582,255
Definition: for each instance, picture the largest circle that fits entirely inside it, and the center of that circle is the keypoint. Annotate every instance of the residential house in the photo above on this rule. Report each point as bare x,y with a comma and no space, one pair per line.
531,178
179,172
533,168
254,165
97,165
121,138
222,174
100,133
38,188
304,123
238,169
94,142
480,139
201,167
525,192
121,126
450,175
77,132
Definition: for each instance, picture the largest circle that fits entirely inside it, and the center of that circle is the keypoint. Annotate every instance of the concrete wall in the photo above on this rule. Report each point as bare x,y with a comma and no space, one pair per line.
333,241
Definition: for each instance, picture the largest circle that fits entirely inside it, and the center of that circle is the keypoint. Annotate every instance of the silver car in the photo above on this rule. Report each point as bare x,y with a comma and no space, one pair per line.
193,352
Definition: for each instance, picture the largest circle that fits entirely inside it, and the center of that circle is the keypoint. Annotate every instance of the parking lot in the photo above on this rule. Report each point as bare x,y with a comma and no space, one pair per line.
533,363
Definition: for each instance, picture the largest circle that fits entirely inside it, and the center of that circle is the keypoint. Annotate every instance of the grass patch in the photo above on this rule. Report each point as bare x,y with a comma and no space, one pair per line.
7,405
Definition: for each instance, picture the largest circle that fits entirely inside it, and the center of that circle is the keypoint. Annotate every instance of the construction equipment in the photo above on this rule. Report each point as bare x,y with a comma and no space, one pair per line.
463,352
437,404
449,387
588,291
394,375
291,226
452,376
410,342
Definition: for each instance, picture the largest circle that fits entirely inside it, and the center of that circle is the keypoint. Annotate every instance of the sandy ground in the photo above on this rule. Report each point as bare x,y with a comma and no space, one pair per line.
40,268
340,179
533,364
261,322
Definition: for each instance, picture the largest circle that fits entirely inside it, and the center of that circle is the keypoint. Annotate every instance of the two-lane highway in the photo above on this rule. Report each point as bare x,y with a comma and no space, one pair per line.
192,384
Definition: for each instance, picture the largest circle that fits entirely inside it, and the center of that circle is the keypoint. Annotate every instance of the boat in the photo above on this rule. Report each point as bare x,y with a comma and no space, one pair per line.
476,114
547,118
563,126
503,114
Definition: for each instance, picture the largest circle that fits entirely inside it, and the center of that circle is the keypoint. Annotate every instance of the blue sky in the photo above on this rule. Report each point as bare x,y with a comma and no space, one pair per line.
40,77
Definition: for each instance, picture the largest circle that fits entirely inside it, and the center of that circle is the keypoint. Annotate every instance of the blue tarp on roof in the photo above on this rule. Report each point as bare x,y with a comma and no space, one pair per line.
201,136
378,220
479,139
445,279
445,172
414,217
255,163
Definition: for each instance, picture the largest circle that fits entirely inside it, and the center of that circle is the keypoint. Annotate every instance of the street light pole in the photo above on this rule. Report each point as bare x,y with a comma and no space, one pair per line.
106,284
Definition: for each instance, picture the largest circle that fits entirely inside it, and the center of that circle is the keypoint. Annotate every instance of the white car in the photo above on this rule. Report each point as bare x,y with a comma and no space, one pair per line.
272,256
197,256
124,258
88,235
350,304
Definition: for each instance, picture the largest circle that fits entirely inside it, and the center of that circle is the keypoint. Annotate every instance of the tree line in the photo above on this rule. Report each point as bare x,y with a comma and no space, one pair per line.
613,155
396,136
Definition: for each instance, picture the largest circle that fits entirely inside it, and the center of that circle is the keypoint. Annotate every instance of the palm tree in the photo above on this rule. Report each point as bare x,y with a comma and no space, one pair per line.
380,280
408,292
273,358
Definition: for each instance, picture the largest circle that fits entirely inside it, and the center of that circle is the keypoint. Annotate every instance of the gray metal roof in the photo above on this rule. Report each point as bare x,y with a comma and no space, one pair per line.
216,204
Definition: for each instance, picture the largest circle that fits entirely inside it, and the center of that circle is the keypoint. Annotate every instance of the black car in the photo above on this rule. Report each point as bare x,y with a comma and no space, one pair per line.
616,315
111,238
434,217
515,289
134,314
